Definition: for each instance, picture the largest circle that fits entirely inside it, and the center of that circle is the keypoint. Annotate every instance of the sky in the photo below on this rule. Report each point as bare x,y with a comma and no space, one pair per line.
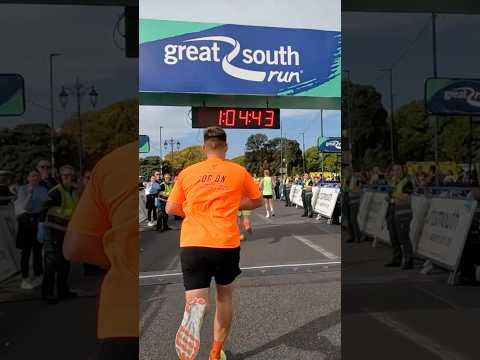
374,41
84,35
177,125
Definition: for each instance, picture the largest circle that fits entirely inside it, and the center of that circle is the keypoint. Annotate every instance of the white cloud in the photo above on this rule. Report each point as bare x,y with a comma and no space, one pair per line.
308,14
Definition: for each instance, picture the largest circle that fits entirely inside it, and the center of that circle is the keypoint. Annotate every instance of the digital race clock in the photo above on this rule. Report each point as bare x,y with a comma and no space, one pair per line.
235,118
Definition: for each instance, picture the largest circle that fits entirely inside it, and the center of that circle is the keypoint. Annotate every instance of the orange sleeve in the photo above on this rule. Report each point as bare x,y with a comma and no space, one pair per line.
177,195
250,188
91,214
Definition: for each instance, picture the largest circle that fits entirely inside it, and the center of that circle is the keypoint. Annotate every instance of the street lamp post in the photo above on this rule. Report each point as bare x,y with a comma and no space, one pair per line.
349,116
171,142
392,119
52,119
303,152
79,90
161,160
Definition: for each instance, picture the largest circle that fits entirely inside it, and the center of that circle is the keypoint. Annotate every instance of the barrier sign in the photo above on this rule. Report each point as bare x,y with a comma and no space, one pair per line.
12,95
324,200
330,145
207,58
296,195
419,206
9,263
452,96
445,230
362,214
376,223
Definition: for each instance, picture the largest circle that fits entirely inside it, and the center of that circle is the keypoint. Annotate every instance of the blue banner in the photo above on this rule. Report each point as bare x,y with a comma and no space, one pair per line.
143,144
239,59
452,96
330,145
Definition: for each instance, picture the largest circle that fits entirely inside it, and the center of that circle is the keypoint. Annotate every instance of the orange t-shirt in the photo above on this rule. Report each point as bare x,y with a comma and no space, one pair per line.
108,210
210,193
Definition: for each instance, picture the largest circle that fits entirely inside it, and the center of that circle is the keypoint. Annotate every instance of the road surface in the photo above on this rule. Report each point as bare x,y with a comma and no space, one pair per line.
287,298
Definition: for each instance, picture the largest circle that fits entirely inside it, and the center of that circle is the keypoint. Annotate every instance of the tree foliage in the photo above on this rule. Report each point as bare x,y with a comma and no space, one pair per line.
103,131
262,153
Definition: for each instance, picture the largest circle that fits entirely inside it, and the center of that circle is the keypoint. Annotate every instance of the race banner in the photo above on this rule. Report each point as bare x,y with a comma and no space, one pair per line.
325,200
445,230
452,96
12,95
296,195
330,145
144,144
213,58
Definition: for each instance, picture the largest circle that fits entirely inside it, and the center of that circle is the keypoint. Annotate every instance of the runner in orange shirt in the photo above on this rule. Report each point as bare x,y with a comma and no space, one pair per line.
104,231
208,196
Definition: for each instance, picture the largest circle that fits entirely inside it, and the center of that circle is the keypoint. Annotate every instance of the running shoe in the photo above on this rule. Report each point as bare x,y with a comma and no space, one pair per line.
272,212
220,356
187,341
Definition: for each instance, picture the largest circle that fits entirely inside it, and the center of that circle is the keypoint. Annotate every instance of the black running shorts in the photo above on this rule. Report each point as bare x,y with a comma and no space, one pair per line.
200,264
268,196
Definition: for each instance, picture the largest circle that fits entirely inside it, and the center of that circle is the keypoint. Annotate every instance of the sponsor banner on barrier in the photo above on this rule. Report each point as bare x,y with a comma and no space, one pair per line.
362,214
8,252
419,206
215,58
296,195
445,230
325,200
376,219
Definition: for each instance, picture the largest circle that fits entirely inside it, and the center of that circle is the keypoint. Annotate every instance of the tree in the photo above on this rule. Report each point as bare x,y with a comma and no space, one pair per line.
370,130
255,153
262,154
188,156
106,129
240,160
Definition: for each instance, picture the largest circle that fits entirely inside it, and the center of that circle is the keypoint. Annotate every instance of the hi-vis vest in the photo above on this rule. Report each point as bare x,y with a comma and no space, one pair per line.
61,215
398,187
168,189
353,187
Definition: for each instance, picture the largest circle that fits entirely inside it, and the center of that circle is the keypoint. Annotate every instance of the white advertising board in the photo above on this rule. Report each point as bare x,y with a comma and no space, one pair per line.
419,205
362,214
9,263
325,200
296,195
445,230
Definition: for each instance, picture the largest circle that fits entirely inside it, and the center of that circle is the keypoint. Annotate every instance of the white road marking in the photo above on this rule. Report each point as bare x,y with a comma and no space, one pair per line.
419,339
152,306
316,247
325,263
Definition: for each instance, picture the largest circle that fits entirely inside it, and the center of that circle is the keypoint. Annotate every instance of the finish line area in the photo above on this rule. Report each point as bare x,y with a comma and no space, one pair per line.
280,272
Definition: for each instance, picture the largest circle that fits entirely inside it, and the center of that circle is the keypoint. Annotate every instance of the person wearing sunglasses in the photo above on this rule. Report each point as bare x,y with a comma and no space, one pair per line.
44,168
63,199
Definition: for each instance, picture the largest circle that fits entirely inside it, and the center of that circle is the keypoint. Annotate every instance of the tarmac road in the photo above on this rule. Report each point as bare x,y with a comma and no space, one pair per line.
287,299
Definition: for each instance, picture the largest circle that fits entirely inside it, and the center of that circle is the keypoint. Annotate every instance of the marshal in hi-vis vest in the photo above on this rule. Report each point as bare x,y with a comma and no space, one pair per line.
168,189
59,216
